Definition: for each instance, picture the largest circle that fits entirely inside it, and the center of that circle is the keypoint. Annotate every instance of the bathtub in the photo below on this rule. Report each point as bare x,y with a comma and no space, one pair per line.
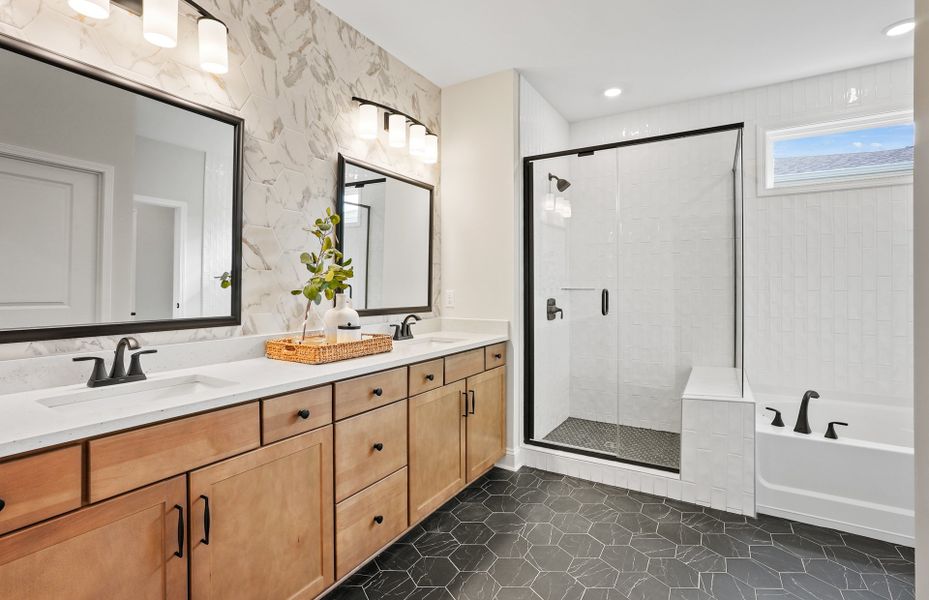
861,483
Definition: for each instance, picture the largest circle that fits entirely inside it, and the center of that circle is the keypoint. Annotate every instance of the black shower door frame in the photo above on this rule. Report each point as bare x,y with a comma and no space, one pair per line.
529,278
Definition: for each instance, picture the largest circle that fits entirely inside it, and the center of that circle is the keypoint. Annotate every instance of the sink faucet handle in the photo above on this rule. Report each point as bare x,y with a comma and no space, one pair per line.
99,373
778,421
135,364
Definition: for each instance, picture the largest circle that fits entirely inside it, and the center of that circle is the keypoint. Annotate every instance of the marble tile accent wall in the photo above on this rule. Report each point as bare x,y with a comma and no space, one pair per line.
294,67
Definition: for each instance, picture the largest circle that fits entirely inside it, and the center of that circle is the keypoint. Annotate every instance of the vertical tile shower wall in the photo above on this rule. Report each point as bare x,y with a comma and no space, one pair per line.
828,276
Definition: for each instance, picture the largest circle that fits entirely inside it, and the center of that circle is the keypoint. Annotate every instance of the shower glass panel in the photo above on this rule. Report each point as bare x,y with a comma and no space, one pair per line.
634,262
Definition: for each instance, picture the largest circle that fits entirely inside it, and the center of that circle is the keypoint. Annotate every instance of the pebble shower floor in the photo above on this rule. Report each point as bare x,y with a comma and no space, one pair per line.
534,535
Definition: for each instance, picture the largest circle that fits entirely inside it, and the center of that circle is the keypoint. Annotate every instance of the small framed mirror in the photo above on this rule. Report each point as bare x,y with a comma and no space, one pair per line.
386,229
120,205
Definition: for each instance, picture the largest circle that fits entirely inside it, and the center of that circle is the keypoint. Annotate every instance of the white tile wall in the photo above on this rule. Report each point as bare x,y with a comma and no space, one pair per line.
828,276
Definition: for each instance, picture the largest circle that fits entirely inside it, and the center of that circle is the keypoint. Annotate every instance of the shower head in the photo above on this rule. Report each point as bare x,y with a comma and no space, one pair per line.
560,184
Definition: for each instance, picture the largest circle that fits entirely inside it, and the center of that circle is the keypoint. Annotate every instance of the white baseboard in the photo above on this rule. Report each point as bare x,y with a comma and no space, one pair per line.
510,460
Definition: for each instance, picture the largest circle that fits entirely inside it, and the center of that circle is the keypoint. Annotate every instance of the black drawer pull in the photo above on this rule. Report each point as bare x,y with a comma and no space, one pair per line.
378,446
303,413
605,302
2,503
206,521
379,519
378,391
430,377
473,401
498,356
465,396
180,531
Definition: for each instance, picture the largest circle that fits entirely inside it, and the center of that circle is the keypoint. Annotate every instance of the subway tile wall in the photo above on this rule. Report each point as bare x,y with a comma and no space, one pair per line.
828,275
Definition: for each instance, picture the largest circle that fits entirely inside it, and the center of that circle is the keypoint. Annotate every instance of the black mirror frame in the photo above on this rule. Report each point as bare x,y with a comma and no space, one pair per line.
118,328
340,209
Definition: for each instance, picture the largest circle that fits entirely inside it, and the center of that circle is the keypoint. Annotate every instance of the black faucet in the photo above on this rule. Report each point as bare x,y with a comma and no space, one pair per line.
803,421
402,331
118,370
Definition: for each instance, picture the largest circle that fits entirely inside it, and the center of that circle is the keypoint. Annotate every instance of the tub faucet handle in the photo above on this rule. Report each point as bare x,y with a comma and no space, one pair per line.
778,421
830,431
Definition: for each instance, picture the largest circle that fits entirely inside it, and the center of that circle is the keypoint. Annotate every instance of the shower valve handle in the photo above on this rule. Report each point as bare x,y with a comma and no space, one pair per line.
778,421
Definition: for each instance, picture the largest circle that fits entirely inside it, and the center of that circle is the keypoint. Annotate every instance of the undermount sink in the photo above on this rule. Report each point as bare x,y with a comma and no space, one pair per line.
153,393
438,341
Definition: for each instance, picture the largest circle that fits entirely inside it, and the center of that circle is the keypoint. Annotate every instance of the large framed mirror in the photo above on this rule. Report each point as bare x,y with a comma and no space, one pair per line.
120,205
386,229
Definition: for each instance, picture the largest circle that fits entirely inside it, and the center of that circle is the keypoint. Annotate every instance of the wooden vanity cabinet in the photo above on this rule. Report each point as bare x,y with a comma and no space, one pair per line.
133,546
261,524
486,430
437,448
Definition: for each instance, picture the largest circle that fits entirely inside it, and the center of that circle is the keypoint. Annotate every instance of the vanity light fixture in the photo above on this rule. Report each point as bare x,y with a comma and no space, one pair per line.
402,130
95,9
900,28
159,26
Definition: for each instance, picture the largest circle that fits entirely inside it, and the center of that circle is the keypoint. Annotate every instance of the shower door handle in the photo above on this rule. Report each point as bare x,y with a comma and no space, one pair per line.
605,302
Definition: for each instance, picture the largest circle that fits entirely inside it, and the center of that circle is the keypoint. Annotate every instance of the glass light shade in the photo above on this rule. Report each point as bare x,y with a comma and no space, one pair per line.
548,203
563,207
159,22
214,52
417,140
431,154
367,122
95,9
396,129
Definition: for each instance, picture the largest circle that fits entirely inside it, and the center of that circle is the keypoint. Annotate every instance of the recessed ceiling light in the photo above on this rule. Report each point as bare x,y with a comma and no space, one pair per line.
900,28
612,92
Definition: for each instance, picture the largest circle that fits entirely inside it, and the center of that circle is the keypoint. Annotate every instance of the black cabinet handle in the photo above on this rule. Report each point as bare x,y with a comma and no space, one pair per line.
379,446
378,391
206,521
498,356
303,413
778,421
473,401
430,377
605,302
379,519
464,396
180,531
2,503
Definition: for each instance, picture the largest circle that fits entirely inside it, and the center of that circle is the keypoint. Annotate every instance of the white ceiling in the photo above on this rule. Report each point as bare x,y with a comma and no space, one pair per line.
658,51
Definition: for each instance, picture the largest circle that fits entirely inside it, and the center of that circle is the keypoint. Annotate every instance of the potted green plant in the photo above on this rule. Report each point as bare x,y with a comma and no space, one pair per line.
330,272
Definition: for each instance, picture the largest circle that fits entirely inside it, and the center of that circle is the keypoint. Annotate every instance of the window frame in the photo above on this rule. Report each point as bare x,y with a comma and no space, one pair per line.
768,136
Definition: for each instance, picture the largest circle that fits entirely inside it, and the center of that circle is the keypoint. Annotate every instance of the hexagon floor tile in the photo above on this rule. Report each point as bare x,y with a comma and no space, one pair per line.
533,535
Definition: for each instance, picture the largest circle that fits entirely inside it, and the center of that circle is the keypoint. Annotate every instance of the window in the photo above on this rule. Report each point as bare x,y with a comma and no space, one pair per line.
869,149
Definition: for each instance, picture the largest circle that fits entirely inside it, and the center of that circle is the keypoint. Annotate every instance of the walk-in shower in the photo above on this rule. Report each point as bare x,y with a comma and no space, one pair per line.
633,277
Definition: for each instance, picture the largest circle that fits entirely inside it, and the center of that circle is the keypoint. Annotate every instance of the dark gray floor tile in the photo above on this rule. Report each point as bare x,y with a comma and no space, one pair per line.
389,585
701,558
907,553
725,545
549,558
723,586
440,521
771,524
642,586
513,572
556,488
472,533
508,545
753,573
624,504
517,593
834,574
820,535
499,487
563,504
598,513
637,522
679,534
673,573
543,534
593,573
433,572
502,503
473,586
571,523
871,547
436,543
703,523
581,545
853,559
807,587
654,545
749,534
557,586
535,513
398,557
505,523
611,534
471,512
472,558
625,558
798,546
724,516
472,494
530,495
777,559
603,594
588,495
430,593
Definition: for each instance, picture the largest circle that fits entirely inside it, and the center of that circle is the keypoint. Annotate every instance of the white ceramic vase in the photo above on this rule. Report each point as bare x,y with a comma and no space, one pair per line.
340,314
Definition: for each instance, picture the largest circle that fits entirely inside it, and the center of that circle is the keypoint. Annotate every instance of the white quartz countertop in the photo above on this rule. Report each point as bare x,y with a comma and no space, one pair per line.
30,420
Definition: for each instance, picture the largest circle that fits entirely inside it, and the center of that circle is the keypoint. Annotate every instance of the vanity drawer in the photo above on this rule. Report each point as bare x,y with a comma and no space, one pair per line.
126,461
359,531
495,356
426,376
464,364
357,395
286,416
358,462
39,486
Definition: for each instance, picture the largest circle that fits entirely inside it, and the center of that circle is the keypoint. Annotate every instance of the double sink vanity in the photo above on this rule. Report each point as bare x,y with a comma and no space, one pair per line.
253,478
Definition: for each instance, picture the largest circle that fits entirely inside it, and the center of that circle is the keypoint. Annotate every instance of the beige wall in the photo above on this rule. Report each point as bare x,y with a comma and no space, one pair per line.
294,67
479,235
921,313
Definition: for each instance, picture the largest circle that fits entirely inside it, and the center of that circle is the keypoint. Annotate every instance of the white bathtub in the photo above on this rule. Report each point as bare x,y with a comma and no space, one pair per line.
861,483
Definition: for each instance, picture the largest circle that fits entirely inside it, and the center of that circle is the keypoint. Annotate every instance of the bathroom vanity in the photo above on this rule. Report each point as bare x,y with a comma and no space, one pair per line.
276,488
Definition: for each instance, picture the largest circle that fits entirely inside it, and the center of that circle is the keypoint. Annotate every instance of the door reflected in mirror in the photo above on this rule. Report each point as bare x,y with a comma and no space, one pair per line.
386,230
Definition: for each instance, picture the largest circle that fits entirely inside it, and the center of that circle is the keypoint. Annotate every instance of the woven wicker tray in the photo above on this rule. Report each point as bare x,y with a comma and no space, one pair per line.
315,351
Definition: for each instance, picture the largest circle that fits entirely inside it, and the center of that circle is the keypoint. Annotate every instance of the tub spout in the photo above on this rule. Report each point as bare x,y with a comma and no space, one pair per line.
803,421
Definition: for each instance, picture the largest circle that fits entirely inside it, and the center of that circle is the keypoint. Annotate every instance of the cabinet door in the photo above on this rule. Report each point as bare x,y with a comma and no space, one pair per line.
127,547
261,523
486,420
437,448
